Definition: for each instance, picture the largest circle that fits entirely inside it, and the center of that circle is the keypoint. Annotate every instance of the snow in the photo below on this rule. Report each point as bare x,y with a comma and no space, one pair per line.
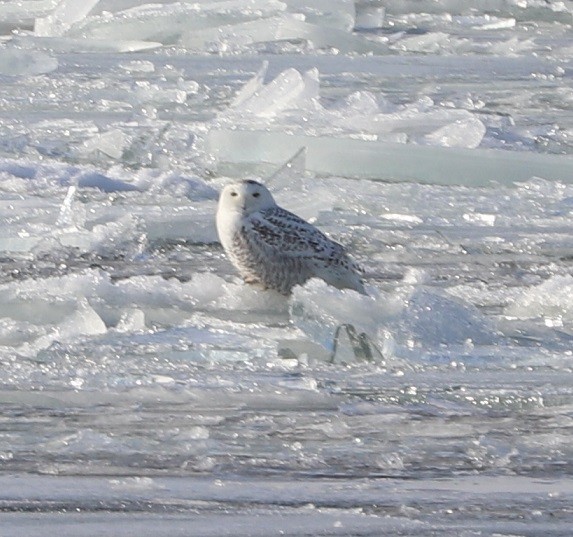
144,388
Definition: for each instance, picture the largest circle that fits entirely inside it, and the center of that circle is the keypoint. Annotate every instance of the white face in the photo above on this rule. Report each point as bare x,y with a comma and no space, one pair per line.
246,197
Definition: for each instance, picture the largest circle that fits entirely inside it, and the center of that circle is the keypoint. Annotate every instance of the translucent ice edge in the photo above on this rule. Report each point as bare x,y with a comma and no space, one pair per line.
390,161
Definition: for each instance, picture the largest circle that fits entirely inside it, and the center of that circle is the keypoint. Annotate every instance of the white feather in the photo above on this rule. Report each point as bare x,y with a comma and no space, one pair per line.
275,248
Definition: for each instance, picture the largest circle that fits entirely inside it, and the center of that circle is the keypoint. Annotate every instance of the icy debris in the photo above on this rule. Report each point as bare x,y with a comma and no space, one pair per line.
431,43
16,62
293,99
84,321
286,27
144,91
88,441
431,318
289,90
520,9
512,47
73,45
237,296
21,15
63,17
360,103
123,236
485,22
463,133
251,87
480,219
131,320
135,483
553,299
81,321
111,143
335,13
370,16
138,66
71,217
166,23
173,183
207,24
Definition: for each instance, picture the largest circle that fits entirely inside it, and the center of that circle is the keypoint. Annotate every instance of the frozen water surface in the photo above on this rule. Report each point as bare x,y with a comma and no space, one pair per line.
144,389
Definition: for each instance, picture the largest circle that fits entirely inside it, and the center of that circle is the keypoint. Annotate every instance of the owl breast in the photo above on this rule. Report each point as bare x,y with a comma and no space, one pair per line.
272,270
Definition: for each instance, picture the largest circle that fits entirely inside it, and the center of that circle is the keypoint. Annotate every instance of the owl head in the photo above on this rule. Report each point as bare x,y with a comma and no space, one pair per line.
246,197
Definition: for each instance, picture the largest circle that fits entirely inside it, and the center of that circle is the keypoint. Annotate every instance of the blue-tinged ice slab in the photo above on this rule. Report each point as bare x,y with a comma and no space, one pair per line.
387,161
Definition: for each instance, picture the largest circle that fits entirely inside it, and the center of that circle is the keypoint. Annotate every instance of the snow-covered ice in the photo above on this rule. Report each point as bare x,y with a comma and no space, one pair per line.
144,388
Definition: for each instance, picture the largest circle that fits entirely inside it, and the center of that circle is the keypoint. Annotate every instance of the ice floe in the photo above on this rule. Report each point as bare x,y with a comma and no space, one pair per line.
362,136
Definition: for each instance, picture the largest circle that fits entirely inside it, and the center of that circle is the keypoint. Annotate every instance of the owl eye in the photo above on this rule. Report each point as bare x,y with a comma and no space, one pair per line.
234,194
256,194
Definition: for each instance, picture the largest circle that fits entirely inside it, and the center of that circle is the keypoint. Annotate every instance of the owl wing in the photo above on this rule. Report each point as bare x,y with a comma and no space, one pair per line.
286,234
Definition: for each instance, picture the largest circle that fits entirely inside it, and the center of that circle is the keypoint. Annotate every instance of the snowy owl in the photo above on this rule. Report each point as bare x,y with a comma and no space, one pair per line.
275,248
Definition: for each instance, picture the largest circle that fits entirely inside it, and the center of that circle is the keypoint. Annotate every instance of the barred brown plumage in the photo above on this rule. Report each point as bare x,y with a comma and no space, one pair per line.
274,247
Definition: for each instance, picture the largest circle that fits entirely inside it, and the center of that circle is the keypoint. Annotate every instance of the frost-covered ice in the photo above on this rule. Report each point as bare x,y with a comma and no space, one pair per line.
145,389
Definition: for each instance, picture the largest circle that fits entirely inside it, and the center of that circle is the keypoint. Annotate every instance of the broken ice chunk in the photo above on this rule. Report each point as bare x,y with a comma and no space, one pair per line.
131,320
390,161
70,44
335,13
253,86
15,62
111,143
84,321
167,22
329,315
370,17
288,27
433,318
67,217
463,133
63,17
552,299
138,66
290,89
485,22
